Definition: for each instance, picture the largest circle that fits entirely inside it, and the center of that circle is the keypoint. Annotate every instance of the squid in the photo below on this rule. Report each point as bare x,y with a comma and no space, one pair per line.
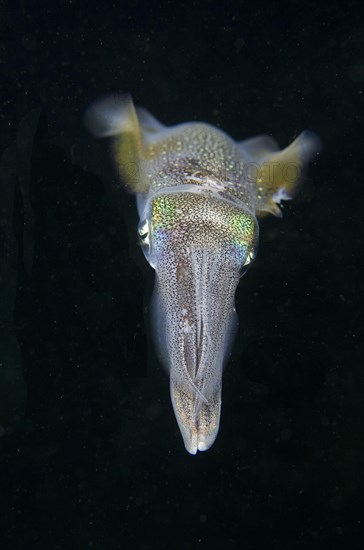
199,194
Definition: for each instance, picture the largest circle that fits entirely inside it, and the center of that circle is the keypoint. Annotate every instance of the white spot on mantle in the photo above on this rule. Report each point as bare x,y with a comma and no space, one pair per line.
281,195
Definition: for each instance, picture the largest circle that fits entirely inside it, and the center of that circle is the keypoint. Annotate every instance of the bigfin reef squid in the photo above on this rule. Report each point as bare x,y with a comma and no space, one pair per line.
199,194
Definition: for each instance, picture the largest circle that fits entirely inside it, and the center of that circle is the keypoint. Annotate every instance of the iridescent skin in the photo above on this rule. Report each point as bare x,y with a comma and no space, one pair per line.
200,244
198,203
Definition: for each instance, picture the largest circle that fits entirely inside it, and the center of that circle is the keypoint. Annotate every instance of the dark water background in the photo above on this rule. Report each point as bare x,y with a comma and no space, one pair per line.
90,453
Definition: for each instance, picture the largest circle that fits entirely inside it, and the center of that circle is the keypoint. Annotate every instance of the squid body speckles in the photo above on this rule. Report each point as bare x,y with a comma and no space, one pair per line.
199,194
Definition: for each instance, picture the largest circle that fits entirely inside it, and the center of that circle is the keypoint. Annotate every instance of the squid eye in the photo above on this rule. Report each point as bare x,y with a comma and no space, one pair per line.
143,233
250,257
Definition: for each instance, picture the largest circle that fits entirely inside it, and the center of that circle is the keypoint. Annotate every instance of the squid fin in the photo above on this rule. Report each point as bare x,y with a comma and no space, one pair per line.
115,116
278,173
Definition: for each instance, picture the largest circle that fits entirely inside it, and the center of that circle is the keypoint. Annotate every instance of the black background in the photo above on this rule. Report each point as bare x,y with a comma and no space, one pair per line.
90,453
